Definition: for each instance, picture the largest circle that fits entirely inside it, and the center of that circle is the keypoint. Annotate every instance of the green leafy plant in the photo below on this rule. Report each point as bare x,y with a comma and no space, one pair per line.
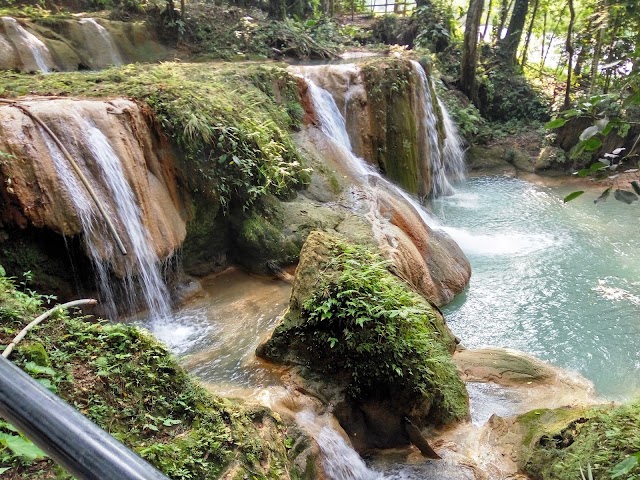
369,324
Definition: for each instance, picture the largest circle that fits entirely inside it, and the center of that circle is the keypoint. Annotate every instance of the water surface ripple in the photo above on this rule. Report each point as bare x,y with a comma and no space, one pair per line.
558,281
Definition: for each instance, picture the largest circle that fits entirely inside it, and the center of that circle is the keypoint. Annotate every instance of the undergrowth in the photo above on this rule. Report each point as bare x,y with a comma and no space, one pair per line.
366,322
126,382
231,123
605,438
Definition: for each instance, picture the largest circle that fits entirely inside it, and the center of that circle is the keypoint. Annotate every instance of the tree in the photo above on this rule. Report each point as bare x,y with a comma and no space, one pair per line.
569,49
277,9
508,46
470,50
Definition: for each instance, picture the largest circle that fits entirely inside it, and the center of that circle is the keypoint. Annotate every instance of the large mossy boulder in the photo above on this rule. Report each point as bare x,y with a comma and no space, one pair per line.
361,339
605,439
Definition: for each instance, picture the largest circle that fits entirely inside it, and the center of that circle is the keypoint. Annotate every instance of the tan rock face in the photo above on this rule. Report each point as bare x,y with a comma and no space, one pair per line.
40,188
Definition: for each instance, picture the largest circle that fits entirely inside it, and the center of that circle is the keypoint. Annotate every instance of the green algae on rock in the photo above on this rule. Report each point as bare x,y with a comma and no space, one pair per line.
355,324
126,382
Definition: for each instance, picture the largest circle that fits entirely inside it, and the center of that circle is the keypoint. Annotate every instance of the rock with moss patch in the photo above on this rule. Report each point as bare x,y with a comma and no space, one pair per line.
367,344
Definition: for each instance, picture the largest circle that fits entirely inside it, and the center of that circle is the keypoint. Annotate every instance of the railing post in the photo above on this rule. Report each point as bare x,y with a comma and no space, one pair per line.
81,447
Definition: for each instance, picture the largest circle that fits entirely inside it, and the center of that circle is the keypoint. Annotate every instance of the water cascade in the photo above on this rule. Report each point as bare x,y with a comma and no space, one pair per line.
333,125
452,153
33,53
340,460
446,162
100,45
143,261
132,173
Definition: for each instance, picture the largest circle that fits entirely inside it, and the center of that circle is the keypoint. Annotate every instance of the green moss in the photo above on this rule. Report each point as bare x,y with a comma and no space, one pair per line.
566,440
234,137
258,239
361,320
126,382
395,146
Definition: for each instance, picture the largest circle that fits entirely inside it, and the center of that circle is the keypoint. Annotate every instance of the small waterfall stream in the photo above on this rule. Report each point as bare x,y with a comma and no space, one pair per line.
33,53
333,125
428,129
100,44
142,263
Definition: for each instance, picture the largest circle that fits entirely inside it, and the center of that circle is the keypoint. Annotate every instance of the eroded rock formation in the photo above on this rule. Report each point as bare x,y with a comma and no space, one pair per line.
40,188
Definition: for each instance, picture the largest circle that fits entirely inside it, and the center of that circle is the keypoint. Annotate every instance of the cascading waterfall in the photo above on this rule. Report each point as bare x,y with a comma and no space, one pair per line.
29,47
142,262
428,129
453,153
333,125
340,460
100,44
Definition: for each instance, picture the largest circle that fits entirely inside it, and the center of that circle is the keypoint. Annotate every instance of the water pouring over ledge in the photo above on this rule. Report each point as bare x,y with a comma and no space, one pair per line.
33,53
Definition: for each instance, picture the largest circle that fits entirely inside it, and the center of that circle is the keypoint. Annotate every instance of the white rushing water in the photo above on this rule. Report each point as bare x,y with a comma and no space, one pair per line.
449,159
142,264
28,46
333,125
340,460
100,44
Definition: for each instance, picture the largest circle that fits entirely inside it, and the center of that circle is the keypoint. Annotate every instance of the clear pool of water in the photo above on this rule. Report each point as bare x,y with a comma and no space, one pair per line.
559,281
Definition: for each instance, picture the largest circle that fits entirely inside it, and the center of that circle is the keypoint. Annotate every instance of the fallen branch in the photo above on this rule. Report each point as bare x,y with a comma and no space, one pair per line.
41,318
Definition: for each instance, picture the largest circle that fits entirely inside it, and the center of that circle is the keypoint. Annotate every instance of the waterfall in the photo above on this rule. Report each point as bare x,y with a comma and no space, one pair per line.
141,262
428,121
340,460
333,125
29,47
100,44
453,153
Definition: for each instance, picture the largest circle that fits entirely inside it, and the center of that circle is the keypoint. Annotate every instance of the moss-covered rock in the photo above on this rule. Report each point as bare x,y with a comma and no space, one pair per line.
391,92
559,443
359,335
126,382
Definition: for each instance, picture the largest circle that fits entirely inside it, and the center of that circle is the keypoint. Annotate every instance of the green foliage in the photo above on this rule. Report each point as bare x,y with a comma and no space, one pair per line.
316,39
506,94
436,25
234,138
126,382
368,323
606,438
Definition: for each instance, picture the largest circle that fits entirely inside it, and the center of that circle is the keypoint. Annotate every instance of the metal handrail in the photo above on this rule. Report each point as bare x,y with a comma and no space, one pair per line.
74,442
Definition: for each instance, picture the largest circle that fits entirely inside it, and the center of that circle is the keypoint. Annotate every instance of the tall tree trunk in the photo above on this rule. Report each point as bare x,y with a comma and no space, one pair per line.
597,49
470,50
569,48
278,9
553,36
486,21
544,36
529,32
509,45
182,8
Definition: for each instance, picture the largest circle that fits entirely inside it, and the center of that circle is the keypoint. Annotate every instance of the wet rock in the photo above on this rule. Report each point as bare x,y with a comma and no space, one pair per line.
373,417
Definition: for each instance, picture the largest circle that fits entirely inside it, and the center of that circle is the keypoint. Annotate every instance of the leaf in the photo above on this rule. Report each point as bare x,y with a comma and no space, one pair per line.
573,196
625,196
36,369
48,384
4,469
633,99
21,447
592,144
169,422
625,466
618,151
603,196
555,123
589,132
